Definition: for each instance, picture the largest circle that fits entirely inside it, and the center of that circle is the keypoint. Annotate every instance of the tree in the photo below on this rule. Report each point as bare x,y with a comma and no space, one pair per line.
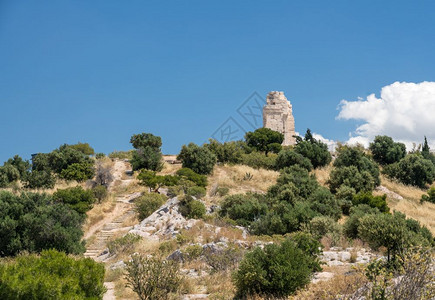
78,171
228,152
264,140
51,275
189,174
21,165
34,222
39,179
386,151
63,157
352,178
288,158
155,182
199,159
425,151
276,270
316,151
413,169
147,204
148,154
83,148
243,209
379,202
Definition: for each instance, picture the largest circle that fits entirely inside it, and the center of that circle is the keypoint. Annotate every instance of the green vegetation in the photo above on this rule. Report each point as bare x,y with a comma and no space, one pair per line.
385,151
200,159
265,140
243,209
189,174
430,197
155,182
288,158
151,278
83,148
34,222
379,202
123,244
191,208
145,205
51,275
228,152
78,171
259,160
276,270
316,151
76,197
148,154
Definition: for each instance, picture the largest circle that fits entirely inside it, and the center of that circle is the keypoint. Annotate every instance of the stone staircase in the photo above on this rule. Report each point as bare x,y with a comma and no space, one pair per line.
99,245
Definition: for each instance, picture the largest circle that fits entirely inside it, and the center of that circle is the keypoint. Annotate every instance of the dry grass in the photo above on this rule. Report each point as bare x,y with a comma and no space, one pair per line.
99,212
169,169
406,191
233,177
219,286
322,174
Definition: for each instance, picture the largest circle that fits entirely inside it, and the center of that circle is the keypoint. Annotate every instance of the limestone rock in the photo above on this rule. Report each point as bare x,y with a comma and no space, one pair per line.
278,116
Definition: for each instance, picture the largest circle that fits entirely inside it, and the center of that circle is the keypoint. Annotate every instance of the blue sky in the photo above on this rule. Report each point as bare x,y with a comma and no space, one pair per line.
100,71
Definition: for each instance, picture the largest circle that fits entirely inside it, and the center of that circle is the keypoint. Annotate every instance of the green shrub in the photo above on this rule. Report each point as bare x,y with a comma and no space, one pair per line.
9,174
148,154
323,202
78,172
380,202
63,157
148,203
321,225
196,191
191,208
167,247
228,152
355,156
52,275
351,177
34,222
310,246
152,278
350,227
258,160
430,197
83,148
100,155
344,196
39,180
76,197
189,174
316,151
222,191
288,158
123,244
100,193
192,252
414,169
385,151
200,159
18,163
277,271
243,209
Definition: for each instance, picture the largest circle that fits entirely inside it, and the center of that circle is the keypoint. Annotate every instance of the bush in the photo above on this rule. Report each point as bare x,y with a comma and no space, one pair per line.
147,204
21,165
103,175
121,154
355,156
380,202
152,278
351,177
34,222
288,158
39,179
277,270
100,193
192,252
316,151
191,208
321,225
243,209
430,197
155,182
123,244
63,157
78,172
265,140
8,174
76,197
83,148
385,151
148,154
228,152
414,169
323,202
222,191
200,159
189,174
100,155
196,191
258,160
351,225
52,275
344,196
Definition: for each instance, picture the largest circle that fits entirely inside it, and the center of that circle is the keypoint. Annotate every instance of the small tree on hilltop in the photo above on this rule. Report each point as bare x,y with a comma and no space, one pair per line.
148,154
386,151
316,151
200,159
265,140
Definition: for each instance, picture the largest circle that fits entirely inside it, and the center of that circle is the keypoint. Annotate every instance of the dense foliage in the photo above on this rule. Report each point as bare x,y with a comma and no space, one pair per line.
288,158
316,151
385,151
276,270
200,159
265,140
228,152
413,169
52,275
430,197
146,204
75,197
35,222
148,154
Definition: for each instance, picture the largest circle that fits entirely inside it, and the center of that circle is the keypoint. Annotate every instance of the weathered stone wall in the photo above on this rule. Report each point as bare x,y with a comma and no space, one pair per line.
278,116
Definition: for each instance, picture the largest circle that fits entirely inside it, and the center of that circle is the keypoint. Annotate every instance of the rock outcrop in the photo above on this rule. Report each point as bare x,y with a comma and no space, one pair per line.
278,116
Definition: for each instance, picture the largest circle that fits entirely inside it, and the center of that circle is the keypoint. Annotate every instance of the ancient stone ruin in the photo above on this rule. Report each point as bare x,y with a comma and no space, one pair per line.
278,116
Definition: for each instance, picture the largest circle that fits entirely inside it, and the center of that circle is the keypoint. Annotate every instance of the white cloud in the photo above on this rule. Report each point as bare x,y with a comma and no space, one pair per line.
405,111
